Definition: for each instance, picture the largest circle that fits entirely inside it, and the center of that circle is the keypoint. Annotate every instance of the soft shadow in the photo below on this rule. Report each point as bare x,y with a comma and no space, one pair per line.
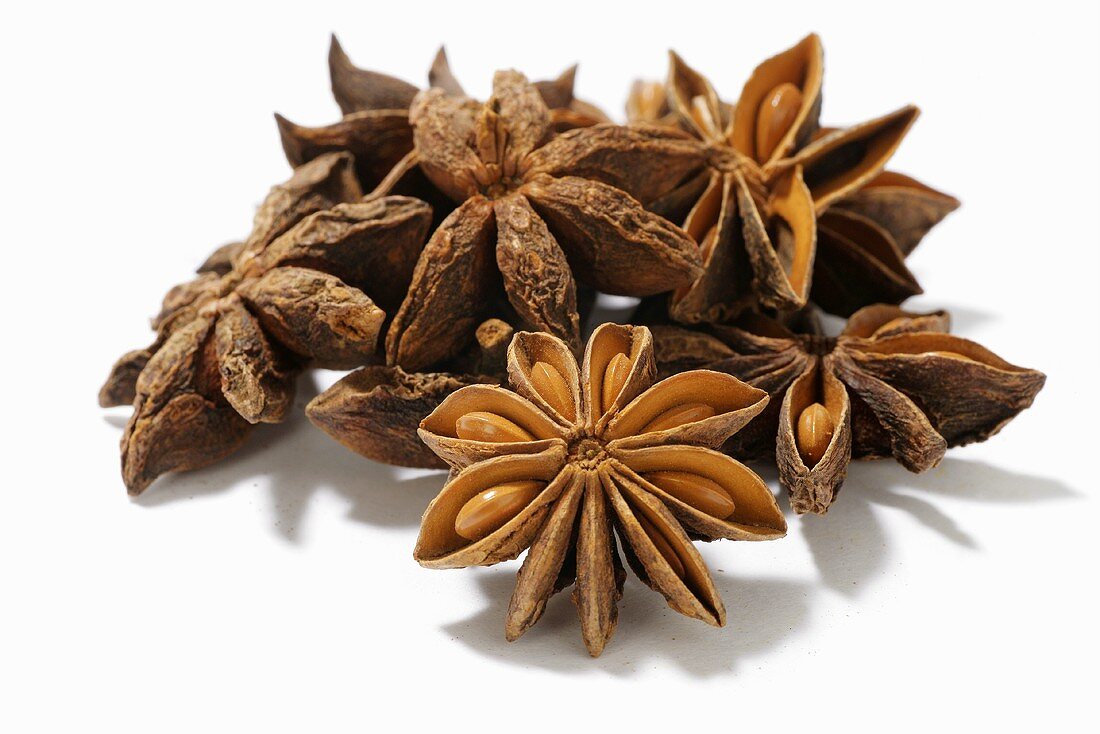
295,461
760,612
849,545
116,421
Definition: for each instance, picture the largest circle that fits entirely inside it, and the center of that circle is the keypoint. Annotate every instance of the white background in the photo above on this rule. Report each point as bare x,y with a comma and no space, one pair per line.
276,592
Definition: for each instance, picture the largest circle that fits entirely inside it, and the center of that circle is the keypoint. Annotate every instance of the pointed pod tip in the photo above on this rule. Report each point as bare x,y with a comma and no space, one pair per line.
335,50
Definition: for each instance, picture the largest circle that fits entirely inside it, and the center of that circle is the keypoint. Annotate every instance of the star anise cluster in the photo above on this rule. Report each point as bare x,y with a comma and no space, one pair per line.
440,245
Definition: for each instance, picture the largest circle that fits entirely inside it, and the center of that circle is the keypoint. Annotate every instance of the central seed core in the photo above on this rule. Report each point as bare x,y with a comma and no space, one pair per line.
587,452
501,186
818,345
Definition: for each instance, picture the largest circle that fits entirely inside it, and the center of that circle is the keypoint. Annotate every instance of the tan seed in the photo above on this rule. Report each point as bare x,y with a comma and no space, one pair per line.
553,388
775,116
489,427
663,546
702,493
614,378
814,432
678,416
492,508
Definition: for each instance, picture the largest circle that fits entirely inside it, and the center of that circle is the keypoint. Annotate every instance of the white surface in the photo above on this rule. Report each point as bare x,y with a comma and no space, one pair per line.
276,592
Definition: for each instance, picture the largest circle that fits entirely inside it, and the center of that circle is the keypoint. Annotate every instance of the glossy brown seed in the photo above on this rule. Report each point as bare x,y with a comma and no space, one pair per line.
663,546
702,493
678,416
777,113
814,432
490,427
614,377
553,388
490,509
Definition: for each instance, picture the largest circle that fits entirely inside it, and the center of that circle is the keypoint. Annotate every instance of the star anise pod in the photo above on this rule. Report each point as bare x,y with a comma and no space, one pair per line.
375,411
892,384
769,208
534,211
579,456
229,345
375,127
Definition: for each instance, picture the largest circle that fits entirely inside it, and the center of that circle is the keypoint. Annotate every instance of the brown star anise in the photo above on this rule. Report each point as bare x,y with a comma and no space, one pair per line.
375,127
779,208
577,456
891,384
230,343
534,211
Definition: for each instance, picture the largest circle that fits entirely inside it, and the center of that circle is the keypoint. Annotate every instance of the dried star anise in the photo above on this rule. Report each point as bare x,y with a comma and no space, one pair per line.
891,384
576,457
375,411
229,344
534,212
375,127
785,211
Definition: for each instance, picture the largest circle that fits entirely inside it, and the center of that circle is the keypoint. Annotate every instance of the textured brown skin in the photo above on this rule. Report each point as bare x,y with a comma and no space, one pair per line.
321,184
599,584
904,207
181,420
858,263
613,244
536,275
374,411
358,89
608,154
377,138
357,241
495,157
903,400
221,260
257,377
537,579
316,316
592,493
446,300
120,386
255,325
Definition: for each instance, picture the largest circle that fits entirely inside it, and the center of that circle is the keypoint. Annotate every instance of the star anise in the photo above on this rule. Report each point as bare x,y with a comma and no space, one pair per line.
229,344
576,457
779,207
534,211
375,127
892,383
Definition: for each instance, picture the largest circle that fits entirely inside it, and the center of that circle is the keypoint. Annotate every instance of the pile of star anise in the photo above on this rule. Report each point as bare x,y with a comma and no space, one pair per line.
446,247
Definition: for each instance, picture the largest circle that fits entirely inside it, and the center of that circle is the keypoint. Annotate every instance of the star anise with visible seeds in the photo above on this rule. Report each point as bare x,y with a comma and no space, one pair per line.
375,127
534,211
769,210
577,457
891,384
229,345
